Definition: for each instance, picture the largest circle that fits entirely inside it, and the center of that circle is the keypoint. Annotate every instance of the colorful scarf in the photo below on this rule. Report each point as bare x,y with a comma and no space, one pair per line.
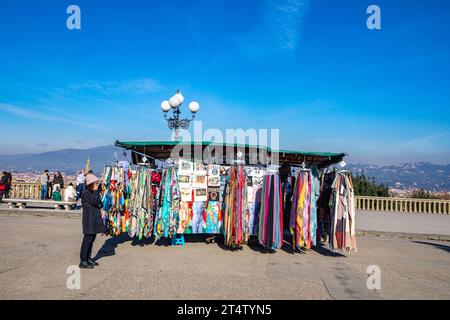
270,233
236,214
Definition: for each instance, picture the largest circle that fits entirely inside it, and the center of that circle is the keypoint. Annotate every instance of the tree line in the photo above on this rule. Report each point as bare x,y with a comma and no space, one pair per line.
367,186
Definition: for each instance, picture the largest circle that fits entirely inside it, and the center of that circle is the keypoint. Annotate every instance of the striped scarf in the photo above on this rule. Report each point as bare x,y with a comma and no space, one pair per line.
270,233
236,214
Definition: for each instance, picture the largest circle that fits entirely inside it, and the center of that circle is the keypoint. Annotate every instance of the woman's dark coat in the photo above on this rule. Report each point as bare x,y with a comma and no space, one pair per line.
59,179
92,217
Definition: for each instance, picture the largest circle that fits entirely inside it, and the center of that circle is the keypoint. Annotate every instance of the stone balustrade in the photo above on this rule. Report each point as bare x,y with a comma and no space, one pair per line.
25,190
407,205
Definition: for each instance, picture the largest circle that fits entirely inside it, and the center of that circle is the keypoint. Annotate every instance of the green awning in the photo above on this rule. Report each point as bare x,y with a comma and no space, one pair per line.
161,150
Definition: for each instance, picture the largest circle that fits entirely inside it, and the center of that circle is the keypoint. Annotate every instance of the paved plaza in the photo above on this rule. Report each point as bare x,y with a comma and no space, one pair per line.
396,222
36,252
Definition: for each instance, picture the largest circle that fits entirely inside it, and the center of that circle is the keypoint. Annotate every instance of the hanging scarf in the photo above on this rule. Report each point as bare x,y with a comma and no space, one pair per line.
342,233
303,215
116,191
236,214
167,217
270,233
213,217
141,221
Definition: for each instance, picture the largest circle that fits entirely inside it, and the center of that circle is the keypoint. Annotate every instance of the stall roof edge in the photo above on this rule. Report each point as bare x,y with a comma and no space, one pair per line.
131,144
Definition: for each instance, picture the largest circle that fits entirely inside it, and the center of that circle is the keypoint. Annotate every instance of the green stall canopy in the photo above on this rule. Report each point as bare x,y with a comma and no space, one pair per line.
225,153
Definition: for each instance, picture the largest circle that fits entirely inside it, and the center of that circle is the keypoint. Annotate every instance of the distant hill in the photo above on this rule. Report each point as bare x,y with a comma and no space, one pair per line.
429,176
68,160
424,175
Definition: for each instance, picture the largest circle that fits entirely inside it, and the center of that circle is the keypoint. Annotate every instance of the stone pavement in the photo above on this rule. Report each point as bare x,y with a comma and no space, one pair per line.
36,252
420,223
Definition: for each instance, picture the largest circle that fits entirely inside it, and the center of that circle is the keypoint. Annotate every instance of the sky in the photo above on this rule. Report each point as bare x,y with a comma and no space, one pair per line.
311,69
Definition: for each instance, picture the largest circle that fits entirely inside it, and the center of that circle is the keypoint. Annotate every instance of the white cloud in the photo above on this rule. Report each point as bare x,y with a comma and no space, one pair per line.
30,114
136,86
279,29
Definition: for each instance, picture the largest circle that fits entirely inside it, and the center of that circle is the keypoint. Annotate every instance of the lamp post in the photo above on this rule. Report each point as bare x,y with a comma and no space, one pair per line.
175,122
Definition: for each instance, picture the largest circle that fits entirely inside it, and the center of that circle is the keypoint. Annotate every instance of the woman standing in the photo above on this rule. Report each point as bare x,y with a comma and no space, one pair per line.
58,179
92,220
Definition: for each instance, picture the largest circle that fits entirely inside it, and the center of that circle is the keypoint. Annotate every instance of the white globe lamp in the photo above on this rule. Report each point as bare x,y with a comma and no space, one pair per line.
194,107
174,102
180,97
165,106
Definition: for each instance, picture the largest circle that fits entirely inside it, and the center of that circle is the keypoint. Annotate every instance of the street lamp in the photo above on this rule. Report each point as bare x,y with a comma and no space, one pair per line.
175,122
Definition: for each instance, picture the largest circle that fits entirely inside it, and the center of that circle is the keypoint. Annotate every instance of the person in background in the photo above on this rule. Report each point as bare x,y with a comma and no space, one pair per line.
2,186
92,220
81,179
56,194
58,179
49,186
44,185
70,195
7,184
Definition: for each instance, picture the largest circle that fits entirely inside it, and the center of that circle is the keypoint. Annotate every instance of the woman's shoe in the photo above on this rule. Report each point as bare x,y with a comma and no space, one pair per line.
86,265
92,262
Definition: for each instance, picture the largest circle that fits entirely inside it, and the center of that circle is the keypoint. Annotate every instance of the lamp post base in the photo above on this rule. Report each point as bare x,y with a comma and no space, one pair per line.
177,136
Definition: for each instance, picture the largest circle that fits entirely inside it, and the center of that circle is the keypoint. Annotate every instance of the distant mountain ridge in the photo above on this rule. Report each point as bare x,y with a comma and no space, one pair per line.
424,175
68,160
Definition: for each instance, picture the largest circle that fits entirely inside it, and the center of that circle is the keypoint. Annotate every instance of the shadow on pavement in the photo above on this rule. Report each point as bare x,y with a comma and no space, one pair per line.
437,245
323,250
253,244
109,247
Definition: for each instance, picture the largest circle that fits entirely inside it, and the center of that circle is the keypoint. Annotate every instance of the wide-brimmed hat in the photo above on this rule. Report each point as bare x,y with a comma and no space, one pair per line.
90,178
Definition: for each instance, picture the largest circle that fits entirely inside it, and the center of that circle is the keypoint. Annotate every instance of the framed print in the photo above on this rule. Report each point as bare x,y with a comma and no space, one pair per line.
186,195
185,166
214,194
200,180
200,194
213,181
199,167
184,181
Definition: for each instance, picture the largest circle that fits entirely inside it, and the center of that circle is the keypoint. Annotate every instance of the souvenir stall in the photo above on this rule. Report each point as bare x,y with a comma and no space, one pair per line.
226,193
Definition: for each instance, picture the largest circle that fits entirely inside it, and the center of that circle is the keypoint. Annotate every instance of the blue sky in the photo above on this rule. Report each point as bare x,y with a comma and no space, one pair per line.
309,68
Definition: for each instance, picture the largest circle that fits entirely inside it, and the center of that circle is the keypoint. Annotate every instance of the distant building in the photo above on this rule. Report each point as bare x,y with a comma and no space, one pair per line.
87,168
